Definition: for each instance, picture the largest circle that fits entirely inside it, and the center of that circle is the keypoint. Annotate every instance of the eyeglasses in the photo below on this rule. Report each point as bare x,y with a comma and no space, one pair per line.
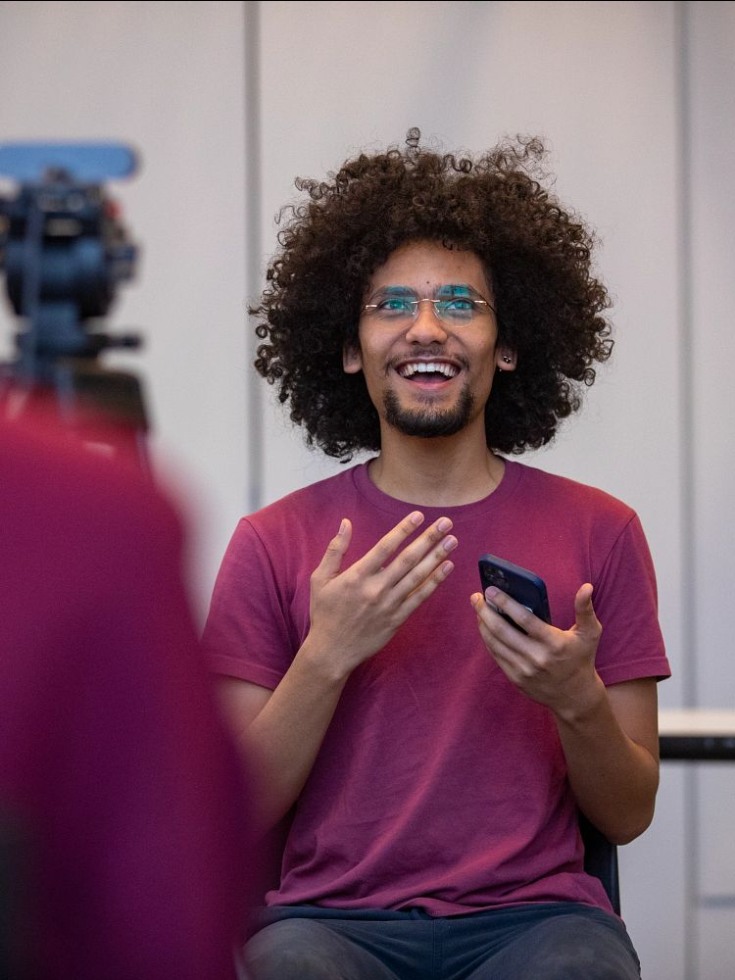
454,304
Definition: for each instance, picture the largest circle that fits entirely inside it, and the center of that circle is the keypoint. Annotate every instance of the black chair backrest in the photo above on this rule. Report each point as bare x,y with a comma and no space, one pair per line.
601,860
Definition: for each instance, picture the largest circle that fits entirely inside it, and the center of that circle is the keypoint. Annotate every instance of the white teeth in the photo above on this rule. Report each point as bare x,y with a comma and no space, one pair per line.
427,367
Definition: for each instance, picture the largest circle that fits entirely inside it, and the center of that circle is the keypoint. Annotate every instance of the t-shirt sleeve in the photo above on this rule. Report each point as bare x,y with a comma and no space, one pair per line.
626,603
248,633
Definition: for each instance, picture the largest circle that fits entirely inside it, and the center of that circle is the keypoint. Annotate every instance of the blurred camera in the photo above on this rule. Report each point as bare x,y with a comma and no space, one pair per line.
64,251
63,248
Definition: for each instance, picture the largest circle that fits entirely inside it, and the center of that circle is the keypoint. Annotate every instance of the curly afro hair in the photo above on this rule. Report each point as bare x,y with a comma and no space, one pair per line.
537,255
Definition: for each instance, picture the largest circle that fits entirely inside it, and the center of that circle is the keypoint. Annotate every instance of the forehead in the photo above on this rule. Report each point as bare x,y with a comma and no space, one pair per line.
425,265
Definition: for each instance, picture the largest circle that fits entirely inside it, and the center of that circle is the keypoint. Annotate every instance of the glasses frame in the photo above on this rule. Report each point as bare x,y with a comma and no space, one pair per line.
477,300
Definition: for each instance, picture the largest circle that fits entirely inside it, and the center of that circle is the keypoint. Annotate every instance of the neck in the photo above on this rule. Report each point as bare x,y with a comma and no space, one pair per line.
437,472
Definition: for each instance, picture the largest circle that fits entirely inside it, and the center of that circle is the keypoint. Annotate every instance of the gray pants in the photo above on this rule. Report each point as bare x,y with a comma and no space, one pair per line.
560,941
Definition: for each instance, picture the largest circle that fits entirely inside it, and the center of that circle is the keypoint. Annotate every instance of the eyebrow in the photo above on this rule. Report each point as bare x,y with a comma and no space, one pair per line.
449,288
458,289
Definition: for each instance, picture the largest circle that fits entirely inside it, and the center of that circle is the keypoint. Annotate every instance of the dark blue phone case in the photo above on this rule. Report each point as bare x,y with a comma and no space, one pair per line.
519,583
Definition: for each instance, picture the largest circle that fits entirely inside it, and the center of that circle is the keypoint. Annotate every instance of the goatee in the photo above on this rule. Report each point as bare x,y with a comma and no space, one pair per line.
428,423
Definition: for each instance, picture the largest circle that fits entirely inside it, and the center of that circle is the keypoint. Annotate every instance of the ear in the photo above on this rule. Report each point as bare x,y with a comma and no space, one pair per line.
505,359
351,359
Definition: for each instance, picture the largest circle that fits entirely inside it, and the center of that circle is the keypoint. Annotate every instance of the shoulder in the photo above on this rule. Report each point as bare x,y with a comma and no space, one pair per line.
555,489
292,529
307,504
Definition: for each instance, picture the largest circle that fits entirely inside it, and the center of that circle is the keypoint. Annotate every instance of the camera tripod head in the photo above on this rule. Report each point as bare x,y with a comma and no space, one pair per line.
64,251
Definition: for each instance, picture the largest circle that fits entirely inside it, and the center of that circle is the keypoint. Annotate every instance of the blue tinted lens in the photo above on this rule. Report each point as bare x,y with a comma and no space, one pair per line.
456,310
395,303
455,302
396,306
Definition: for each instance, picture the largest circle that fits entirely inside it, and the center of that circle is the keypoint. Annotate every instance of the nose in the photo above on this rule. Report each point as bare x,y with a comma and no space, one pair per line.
426,325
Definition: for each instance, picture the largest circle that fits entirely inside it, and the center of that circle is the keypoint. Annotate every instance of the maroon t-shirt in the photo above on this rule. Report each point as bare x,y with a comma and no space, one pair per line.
438,784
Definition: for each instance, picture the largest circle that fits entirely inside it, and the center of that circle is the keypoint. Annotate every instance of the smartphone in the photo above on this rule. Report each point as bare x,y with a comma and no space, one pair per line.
519,583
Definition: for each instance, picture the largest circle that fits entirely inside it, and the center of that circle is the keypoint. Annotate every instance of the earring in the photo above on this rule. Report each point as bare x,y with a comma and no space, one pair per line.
507,359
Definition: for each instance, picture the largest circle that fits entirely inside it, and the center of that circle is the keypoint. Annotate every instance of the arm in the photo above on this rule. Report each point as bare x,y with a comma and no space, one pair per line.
354,612
609,735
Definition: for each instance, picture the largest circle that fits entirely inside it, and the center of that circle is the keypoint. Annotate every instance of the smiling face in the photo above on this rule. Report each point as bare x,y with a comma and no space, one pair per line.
428,375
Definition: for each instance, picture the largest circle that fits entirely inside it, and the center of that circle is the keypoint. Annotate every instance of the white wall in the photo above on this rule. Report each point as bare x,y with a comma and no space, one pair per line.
166,78
229,102
708,158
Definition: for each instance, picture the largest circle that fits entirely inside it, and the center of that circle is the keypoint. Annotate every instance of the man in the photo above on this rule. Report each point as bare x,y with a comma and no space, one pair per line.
429,758
124,829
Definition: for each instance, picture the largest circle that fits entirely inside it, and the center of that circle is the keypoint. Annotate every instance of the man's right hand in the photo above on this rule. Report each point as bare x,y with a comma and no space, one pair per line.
356,611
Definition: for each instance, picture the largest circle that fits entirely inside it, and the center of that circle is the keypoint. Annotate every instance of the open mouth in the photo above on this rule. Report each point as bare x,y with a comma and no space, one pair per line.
431,371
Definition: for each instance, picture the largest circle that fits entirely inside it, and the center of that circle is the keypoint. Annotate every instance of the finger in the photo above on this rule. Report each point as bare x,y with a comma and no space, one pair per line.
409,572
583,600
504,605
418,560
584,610
428,584
380,553
331,563
496,631
504,642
